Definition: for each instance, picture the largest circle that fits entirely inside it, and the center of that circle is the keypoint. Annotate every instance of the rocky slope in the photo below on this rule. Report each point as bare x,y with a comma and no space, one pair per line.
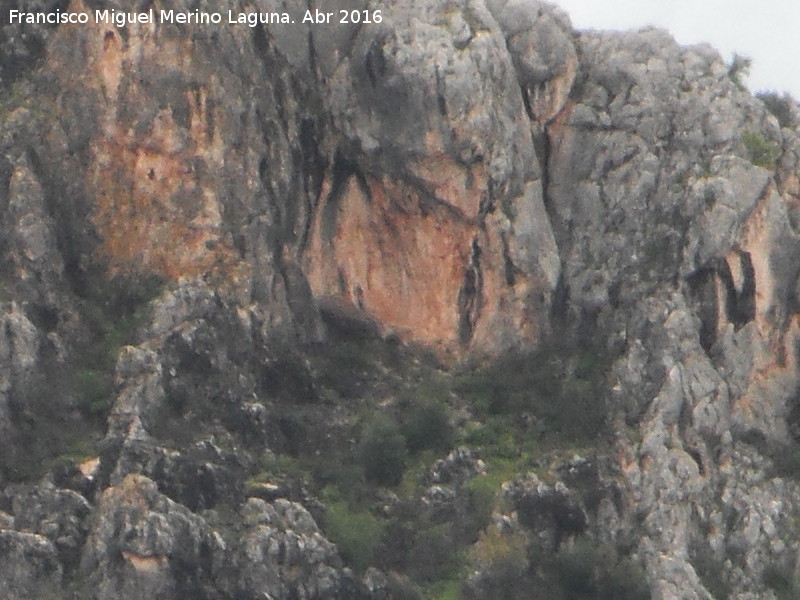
461,303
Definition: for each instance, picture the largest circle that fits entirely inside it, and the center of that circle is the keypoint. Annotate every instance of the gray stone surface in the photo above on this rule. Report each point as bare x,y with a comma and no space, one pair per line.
469,176
30,566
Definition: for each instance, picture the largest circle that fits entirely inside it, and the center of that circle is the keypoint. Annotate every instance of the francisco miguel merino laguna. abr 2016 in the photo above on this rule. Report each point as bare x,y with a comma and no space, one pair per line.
121,18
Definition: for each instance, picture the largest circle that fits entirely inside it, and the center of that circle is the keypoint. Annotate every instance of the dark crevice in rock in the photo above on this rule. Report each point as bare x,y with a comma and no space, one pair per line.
44,317
739,304
314,165
702,287
560,300
301,302
793,418
542,145
697,457
440,94
260,42
62,207
470,296
746,299
509,270
343,169
6,171
375,61
526,100
430,203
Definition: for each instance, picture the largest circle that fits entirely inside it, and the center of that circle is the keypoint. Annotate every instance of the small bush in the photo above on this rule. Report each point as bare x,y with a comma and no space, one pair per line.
495,438
590,570
739,69
435,556
560,388
502,566
94,390
761,151
481,492
426,426
356,533
347,368
383,452
780,107
782,581
786,460
495,548
709,570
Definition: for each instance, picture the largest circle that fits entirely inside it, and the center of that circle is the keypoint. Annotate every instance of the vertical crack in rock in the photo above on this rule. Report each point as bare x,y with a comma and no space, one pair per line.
744,300
509,269
541,143
739,287
343,170
470,296
441,98
702,286
375,61
314,165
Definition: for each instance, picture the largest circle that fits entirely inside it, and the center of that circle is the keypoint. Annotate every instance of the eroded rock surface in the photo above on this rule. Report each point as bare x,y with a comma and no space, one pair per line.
471,177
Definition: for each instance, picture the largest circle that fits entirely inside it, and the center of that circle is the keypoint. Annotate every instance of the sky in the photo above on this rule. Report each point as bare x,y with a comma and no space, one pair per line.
767,31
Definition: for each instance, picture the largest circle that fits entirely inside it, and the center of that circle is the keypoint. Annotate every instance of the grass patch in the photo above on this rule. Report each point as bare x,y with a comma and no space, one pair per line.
356,532
449,589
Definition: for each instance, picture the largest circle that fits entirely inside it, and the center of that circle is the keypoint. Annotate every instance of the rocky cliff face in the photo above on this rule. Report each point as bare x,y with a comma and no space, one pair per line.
222,246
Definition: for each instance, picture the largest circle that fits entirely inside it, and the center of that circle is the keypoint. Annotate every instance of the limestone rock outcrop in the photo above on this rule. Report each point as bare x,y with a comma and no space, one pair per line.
192,217
438,169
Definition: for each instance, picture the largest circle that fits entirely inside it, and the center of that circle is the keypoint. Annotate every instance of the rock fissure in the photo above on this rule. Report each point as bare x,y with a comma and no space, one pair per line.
470,296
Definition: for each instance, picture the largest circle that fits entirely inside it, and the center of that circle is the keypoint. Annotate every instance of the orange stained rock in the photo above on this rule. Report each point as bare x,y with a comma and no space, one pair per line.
153,209
145,564
401,263
422,267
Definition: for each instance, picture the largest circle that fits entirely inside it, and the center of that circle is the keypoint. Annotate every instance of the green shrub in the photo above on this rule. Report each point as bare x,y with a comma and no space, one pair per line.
761,151
495,438
709,570
426,426
780,107
481,492
114,310
739,69
786,460
589,570
94,390
560,388
445,590
14,96
383,452
783,581
502,564
357,533
435,555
